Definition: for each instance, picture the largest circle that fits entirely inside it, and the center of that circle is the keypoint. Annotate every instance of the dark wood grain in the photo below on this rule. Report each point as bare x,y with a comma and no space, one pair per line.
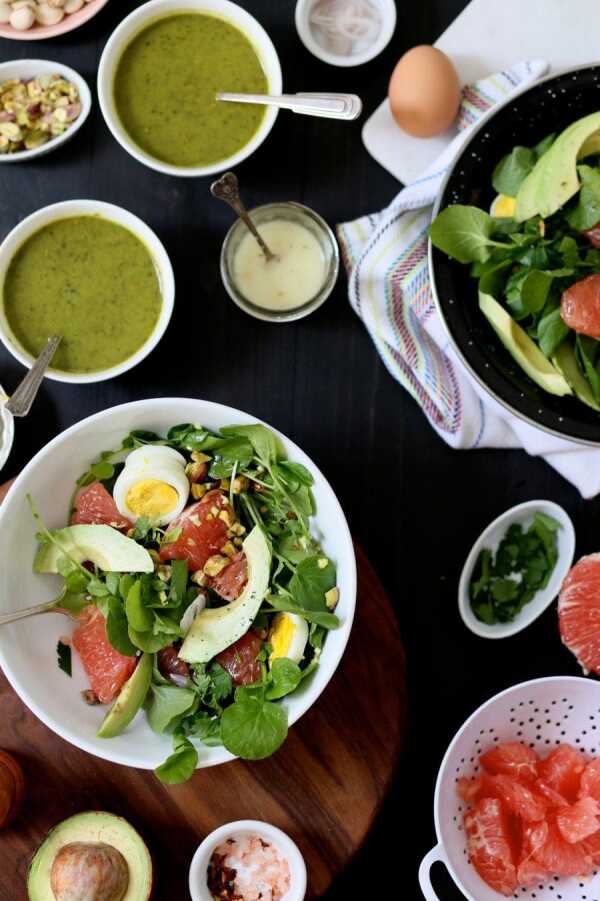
324,787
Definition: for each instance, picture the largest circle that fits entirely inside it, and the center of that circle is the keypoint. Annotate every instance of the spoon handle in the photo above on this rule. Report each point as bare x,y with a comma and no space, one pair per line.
48,607
328,106
21,401
226,188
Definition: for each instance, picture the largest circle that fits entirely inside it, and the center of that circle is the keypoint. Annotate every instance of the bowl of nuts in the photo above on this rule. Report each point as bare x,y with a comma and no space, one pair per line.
36,20
42,105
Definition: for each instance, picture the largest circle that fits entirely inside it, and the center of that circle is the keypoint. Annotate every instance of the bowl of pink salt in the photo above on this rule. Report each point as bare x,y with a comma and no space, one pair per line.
247,861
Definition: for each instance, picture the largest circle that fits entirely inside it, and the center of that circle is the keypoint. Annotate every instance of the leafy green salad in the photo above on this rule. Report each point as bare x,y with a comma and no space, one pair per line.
198,590
536,257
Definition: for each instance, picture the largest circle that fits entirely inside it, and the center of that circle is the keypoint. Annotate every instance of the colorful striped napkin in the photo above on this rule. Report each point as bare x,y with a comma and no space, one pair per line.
386,258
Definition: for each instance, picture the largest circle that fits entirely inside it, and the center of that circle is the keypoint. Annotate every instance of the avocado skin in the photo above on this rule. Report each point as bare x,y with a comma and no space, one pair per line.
131,697
93,826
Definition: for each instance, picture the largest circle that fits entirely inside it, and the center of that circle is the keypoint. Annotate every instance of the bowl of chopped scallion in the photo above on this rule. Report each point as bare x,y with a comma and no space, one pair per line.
515,569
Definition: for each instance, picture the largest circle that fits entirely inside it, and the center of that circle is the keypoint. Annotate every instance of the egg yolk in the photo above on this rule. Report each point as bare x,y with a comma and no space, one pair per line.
281,637
503,207
152,498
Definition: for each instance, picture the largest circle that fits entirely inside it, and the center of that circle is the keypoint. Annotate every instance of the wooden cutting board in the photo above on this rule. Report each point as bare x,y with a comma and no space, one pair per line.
324,787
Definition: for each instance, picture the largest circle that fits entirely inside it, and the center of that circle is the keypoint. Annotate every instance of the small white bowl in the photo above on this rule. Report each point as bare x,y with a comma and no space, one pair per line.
7,430
388,25
288,849
491,538
120,216
30,68
155,9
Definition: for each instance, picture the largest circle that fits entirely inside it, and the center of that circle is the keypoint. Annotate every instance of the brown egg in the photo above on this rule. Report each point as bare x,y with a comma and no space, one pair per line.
424,92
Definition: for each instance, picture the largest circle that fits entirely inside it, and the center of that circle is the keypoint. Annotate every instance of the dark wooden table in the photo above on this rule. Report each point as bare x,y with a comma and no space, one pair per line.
414,504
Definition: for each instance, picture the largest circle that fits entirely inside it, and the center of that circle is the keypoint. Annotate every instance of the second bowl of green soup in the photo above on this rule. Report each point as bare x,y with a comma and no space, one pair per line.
159,76
94,274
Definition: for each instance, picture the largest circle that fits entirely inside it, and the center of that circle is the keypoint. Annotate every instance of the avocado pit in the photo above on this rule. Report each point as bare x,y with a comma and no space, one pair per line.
89,871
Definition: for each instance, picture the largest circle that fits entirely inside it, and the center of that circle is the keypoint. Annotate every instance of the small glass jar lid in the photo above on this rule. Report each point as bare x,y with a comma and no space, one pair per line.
299,214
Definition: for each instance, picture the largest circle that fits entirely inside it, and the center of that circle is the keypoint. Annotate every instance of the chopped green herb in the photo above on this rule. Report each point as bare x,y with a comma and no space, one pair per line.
64,658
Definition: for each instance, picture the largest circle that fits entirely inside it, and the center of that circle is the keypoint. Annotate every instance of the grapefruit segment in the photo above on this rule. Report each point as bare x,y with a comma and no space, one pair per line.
579,612
578,820
511,759
201,531
562,770
106,669
590,780
491,844
559,857
549,794
94,506
534,836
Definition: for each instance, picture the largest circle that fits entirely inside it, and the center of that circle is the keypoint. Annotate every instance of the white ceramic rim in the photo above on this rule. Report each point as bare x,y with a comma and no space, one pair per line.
289,849
44,32
438,785
389,16
532,610
120,216
350,589
7,435
42,67
134,23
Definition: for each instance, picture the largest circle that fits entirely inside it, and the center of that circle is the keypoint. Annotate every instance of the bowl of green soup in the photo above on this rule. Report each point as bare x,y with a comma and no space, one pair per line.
159,76
93,273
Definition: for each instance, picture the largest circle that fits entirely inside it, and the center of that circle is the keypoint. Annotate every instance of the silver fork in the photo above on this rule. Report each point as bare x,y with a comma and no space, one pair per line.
22,399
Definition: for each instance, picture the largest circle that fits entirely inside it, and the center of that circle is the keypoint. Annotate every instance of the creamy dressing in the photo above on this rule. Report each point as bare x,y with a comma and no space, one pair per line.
287,282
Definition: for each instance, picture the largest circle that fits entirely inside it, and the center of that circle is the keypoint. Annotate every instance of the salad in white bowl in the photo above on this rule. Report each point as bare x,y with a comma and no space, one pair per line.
208,578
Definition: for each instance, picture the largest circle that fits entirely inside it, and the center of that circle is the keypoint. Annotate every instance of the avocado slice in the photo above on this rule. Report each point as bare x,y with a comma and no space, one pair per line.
93,827
102,545
131,697
518,343
215,629
566,362
554,179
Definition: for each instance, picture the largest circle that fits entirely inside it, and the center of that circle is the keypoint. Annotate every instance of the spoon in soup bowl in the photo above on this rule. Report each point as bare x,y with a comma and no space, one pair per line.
328,106
20,402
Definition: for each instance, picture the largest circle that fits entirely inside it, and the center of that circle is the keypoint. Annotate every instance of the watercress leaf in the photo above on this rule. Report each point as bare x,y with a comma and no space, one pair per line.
117,628
166,703
286,604
586,213
112,583
492,278
206,728
222,684
125,583
63,652
237,448
295,473
285,678
512,170
178,583
551,331
103,471
464,233
166,625
97,588
140,617
569,251
74,602
295,548
313,578
534,290
587,351
253,729
149,641
264,442
180,766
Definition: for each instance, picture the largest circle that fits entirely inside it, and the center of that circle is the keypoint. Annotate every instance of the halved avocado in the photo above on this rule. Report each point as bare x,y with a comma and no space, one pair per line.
216,628
102,545
518,343
93,827
131,697
554,179
565,361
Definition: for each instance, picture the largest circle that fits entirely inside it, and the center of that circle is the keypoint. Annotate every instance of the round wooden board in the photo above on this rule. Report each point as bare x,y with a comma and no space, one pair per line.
324,787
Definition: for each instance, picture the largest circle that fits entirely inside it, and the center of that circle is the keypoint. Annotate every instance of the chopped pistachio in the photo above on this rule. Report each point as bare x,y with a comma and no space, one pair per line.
198,491
33,111
240,483
198,578
322,562
229,549
332,597
199,457
215,564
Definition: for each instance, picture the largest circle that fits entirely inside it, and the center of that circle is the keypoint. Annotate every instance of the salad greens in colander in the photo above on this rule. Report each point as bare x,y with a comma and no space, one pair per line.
198,589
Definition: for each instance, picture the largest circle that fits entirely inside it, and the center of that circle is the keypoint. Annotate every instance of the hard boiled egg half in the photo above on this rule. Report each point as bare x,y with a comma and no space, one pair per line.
153,484
288,637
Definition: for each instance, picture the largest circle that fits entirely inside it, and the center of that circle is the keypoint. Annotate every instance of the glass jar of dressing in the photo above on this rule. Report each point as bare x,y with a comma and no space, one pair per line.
301,277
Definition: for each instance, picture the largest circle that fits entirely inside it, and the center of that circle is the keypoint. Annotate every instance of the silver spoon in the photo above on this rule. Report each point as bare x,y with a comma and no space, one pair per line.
22,399
48,607
328,106
227,188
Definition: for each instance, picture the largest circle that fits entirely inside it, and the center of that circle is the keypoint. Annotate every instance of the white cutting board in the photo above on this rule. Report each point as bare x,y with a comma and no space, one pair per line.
487,36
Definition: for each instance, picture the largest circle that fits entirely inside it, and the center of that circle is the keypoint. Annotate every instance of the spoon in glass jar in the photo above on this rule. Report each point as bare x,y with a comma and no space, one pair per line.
226,188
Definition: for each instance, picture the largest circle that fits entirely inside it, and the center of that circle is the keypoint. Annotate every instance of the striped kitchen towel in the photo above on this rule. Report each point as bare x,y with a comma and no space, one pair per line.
386,258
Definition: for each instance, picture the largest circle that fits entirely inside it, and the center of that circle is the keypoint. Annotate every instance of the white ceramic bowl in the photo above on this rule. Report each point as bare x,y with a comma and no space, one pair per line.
134,23
123,217
28,649
68,23
7,430
388,16
30,68
491,538
287,848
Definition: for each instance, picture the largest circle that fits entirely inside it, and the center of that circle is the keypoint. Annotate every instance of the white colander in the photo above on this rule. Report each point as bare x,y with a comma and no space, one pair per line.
543,713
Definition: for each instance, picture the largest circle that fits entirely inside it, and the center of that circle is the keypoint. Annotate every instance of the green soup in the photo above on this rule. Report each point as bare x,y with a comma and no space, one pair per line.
91,281
166,85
